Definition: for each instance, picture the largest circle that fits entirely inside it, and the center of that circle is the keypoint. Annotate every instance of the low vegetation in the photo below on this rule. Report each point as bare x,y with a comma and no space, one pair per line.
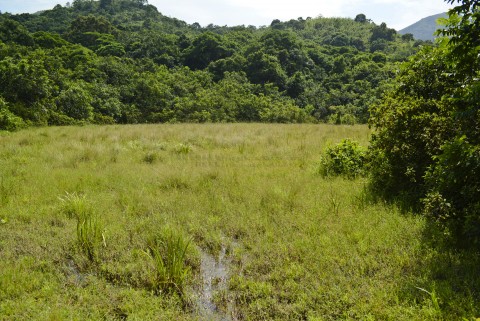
299,245
347,158
168,251
308,222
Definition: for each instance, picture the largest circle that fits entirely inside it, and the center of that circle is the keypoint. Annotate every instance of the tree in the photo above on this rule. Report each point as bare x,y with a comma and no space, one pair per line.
462,29
206,48
427,142
75,102
361,18
105,3
276,24
382,32
263,68
8,120
82,28
13,32
454,196
48,40
407,37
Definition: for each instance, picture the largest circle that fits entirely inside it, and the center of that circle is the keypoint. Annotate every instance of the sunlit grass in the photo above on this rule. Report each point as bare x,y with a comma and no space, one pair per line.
302,247
168,251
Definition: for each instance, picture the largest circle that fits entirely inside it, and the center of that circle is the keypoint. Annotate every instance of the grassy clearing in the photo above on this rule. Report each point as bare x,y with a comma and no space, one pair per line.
302,247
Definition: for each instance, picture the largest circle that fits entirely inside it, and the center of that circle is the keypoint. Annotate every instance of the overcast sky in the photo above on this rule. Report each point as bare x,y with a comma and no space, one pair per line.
397,14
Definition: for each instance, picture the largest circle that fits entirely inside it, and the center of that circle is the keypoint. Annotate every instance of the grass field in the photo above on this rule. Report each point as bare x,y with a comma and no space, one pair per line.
119,222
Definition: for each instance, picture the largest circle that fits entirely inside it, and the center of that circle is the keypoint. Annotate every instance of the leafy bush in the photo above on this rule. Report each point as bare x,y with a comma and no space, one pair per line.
411,125
427,143
454,197
347,159
8,120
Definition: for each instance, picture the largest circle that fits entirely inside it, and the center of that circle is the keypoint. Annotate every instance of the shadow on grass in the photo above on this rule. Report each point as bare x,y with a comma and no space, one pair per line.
446,278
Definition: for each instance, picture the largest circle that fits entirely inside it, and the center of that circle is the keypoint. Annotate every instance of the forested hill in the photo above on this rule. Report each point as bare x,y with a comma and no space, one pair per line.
122,61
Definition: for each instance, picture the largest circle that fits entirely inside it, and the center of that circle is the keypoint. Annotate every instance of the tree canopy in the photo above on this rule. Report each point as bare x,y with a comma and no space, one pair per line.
123,61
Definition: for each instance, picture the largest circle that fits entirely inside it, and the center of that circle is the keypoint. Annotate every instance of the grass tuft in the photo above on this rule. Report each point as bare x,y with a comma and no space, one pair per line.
168,252
183,149
75,206
150,157
89,228
90,236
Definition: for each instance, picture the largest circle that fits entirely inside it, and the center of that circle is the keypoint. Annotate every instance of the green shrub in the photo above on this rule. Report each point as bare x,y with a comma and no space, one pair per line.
347,159
8,120
454,197
409,133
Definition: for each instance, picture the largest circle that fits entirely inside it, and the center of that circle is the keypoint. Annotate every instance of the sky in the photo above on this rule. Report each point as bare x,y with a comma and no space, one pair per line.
396,14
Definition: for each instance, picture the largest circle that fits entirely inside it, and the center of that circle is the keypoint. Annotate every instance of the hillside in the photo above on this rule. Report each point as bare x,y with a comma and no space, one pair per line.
124,62
425,28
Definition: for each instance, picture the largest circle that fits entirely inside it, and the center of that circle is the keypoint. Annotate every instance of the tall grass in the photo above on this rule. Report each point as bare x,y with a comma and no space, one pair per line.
89,236
168,252
75,206
89,228
306,247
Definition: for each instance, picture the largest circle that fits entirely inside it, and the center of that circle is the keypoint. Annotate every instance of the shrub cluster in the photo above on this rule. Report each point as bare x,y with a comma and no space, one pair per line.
347,159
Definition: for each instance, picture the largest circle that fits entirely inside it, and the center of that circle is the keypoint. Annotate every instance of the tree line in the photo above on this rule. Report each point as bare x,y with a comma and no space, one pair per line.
122,61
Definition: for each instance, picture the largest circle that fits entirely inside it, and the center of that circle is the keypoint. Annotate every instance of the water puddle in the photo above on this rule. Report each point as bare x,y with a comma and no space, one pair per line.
215,276
73,273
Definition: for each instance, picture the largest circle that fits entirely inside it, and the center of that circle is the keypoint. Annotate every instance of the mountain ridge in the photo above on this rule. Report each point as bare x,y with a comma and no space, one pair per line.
425,28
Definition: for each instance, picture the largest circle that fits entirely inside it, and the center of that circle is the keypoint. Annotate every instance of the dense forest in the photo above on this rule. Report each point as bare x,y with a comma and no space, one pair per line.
122,61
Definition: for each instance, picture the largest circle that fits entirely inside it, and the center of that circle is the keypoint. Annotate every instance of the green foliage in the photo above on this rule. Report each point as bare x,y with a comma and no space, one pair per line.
361,18
207,47
48,40
122,61
347,158
454,196
75,102
13,32
411,124
382,32
427,139
8,120
461,28
168,251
